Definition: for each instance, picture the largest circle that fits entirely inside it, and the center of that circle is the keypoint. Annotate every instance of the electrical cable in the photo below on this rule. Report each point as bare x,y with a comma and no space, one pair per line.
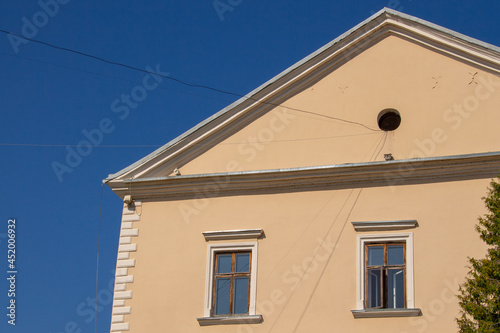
197,144
179,80
328,260
101,146
374,157
323,239
107,75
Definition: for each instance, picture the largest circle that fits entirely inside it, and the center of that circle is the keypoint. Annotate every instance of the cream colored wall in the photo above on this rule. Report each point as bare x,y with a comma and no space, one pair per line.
426,87
169,276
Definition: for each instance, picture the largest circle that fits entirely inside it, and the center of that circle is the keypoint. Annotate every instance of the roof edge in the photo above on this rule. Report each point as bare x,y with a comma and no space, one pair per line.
383,15
246,96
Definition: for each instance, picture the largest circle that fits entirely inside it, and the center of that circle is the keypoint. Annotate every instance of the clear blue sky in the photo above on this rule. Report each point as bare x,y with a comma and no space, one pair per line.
51,98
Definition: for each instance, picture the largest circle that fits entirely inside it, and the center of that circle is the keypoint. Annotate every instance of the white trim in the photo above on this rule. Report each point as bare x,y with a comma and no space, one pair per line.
127,225
118,310
211,250
125,240
360,258
124,279
384,313
120,327
127,248
232,234
129,232
120,287
118,302
123,294
131,218
117,319
229,320
125,263
384,225
128,210
123,255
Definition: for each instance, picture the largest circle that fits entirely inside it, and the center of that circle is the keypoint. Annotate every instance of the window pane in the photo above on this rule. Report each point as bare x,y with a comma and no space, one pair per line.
375,255
222,294
242,262
395,255
374,294
395,288
224,263
240,301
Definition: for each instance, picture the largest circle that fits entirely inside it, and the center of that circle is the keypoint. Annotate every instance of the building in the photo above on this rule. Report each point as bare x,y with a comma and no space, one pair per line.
342,194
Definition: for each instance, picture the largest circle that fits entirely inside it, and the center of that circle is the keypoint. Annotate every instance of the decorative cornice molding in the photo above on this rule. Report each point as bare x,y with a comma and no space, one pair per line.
229,320
232,234
385,313
384,225
352,175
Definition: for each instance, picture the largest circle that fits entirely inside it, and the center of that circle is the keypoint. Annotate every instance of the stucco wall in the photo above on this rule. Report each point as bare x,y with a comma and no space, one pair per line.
169,275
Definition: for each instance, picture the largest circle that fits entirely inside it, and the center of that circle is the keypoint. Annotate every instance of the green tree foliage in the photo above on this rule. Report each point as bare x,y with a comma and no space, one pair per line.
480,293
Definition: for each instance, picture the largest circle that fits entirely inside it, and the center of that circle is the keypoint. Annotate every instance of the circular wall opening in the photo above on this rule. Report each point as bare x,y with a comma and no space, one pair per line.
389,119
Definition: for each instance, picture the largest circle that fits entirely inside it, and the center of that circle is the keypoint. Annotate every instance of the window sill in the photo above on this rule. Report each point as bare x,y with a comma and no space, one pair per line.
384,313
228,320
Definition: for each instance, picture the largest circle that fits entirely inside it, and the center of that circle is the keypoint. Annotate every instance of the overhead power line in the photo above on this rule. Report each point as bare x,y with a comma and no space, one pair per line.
101,146
168,77
118,63
198,144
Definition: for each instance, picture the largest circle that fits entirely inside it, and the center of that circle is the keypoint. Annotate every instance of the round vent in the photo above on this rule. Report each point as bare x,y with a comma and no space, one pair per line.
389,119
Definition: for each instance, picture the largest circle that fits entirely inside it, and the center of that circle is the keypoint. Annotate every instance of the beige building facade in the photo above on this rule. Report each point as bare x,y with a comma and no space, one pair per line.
339,196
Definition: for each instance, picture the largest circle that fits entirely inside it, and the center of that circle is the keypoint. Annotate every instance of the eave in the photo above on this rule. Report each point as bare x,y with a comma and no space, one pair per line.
342,176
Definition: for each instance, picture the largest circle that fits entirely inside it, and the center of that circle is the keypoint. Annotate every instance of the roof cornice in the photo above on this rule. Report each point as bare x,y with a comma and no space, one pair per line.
386,22
351,175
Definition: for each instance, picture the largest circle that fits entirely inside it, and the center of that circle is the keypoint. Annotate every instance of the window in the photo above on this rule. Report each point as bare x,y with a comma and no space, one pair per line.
385,276
231,283
230,290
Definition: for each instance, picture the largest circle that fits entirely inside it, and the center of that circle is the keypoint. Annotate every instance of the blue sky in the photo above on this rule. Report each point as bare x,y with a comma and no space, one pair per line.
51,100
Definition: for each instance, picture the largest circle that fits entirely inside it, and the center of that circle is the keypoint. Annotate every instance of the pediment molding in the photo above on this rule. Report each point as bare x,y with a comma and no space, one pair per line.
232,234
303,74
384,225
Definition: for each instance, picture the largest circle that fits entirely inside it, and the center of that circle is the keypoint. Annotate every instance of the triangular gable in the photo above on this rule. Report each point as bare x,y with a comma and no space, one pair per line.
236,116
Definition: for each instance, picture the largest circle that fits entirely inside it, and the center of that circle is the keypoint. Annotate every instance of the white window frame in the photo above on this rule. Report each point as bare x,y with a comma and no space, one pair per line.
223,247
360,263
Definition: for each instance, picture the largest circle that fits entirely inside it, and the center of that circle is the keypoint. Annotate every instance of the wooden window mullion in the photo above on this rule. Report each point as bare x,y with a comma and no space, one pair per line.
385,283
366,276
231,286
231,281
404,273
